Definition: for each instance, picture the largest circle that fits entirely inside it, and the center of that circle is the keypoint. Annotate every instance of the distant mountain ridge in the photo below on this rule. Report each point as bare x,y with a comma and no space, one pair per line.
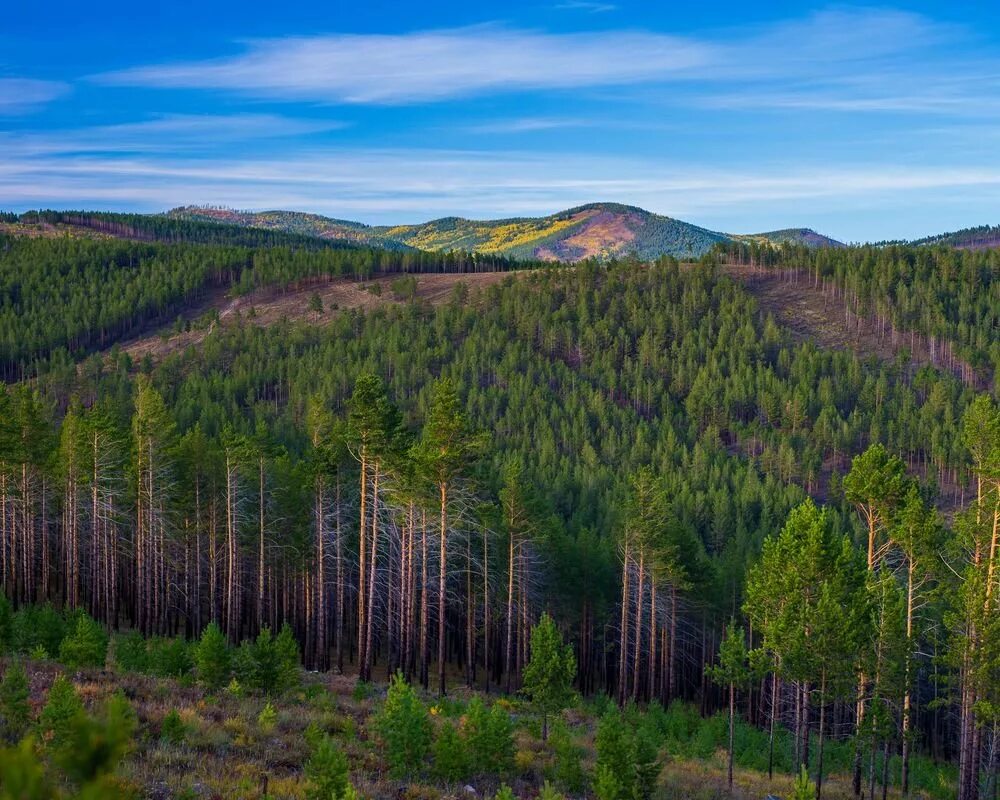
982,237
595,230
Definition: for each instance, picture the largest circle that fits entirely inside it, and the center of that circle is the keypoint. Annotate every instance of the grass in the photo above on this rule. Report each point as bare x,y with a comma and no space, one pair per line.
228,745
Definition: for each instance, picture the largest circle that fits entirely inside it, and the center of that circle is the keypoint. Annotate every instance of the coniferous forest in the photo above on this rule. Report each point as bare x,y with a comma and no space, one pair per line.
597,527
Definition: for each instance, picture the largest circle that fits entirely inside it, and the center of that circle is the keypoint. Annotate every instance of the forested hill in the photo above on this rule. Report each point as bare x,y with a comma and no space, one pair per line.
597,230
979,238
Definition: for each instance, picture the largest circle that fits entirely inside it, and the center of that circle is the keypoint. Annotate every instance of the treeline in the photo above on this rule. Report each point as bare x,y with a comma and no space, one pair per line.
160,228
81,294
949,296
647,431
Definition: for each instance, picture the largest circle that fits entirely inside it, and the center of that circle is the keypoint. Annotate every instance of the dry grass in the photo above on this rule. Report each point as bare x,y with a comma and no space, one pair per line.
337,295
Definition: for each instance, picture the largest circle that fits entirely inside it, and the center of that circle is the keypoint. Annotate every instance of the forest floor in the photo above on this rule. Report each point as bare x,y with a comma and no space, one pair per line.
226,751
269,306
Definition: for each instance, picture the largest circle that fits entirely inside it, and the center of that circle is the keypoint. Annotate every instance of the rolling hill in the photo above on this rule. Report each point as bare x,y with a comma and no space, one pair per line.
982,237
598,230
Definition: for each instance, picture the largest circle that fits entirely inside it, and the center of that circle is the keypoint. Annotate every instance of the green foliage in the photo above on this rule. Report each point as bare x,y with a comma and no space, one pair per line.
267,719
269,664
403,726
37,626
606,784
504,793
616,755
62,706
567,767
489,737
172,728
130,652
15,710
802,788
86,645
450,758
212,658
170,658
6,624
548,792
548,677
327,772
95,745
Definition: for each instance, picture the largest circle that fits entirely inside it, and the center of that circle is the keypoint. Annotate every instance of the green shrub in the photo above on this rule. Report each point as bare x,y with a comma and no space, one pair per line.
267,719
95,745
130,653
34,626
489,737
567,767
86,645
451,762
327,772
269,664
172,729
404,727
802,789
171,658
213,658
504,793
6,625
616,752
549,793
60,708
606,784
15,711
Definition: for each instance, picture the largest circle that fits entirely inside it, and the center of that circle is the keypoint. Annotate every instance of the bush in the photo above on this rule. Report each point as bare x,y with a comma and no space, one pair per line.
172,729
404,727
269,664
567,769
15,711
6,624
34,626
95,745
606,785
267,719
212,658
504,793
170,658
549,793
327,772
61,707
489,736
616,753
86,645
130,653
451,761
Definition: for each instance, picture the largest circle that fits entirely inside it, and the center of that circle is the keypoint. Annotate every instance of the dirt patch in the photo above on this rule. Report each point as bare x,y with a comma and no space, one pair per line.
605,233
270,306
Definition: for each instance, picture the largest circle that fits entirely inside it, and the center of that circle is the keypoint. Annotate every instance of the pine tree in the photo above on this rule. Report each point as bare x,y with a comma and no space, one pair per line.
733,672
213,658
15,710
548,677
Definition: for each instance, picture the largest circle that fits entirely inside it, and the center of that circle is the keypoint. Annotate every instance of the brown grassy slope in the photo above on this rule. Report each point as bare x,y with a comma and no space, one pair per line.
269,306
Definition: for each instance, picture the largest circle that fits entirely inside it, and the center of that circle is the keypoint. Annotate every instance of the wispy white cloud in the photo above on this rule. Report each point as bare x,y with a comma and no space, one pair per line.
430,65
165,133
588,6
846,60
20,95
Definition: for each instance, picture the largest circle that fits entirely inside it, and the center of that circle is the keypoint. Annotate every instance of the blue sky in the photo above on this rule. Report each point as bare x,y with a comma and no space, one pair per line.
864,122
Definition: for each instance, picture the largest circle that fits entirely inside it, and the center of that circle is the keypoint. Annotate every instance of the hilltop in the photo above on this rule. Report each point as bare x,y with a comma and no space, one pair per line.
595,230
982,237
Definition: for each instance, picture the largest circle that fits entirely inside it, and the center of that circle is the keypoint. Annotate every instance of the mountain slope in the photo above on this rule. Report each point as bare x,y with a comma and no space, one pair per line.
806,236
983,237
596,230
